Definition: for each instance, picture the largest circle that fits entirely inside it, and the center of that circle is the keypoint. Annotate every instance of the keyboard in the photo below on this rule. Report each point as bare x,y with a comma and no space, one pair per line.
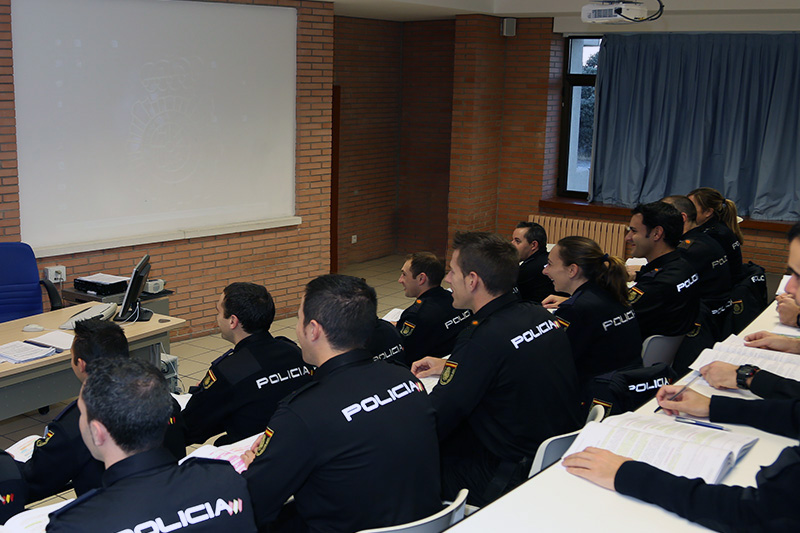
102,311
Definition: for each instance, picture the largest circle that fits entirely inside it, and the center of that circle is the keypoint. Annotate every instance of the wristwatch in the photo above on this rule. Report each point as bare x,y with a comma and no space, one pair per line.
743,373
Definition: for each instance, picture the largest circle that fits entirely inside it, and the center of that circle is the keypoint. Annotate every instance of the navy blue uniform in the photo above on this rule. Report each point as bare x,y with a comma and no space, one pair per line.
532,285
356,447
385,343
729,242
242,388
711,263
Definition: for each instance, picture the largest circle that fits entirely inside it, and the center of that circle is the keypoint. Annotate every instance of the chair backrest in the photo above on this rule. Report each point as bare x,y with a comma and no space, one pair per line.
660,349
553,448
433,524
20,295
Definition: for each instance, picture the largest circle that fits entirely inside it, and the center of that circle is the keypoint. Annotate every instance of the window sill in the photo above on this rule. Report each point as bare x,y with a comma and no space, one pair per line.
583,207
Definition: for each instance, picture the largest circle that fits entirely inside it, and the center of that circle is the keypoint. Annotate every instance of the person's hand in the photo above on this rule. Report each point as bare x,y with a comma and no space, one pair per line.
250,455
772,341
788,310
553,301
428,366
689,402
595,464
720,375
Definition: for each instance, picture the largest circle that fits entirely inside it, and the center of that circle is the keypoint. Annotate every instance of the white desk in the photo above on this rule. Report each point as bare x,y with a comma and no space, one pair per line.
557,501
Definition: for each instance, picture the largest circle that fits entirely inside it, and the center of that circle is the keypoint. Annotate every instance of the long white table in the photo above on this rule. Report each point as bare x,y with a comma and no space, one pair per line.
557,501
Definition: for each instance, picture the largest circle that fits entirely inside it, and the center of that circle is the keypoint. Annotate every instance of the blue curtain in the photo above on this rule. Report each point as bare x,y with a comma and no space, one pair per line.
679,111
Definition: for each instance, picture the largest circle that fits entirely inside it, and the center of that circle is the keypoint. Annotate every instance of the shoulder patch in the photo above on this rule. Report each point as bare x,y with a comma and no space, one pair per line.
407,329
695,331
634,293
44,440
685,243
264,441
448,372
562,323
208,380
738,307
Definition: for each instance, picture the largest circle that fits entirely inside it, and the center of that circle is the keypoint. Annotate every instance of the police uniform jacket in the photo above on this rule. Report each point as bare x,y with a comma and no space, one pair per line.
729,242
385,343
60,456
711,263
774,387
603,333
430,326
150,492
666,296
242,388
770,506
511,378
356,446
532,285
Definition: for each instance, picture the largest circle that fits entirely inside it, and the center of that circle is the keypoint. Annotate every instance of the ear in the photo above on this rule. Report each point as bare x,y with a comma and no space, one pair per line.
81,365
573,270
657,233
313,330
422,278
472,280
233,321
534,247
99,433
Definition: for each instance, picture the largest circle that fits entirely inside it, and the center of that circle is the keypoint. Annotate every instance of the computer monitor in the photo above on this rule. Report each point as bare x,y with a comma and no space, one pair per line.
131,309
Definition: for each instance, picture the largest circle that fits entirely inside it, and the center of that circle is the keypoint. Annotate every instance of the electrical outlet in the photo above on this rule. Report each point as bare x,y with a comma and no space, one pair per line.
56,274
354,239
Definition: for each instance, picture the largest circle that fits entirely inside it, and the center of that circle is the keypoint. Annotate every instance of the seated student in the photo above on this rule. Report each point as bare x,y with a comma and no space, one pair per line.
666,295
510,383
717,218
242,388
430,326
530,240
770,506
357,445
125,406
13,488
602,328
60,456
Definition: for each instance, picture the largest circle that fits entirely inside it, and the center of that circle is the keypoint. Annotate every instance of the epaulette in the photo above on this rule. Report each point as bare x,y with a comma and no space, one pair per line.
299,391
470,330
71,406
77,501
221,357
286,339
685,243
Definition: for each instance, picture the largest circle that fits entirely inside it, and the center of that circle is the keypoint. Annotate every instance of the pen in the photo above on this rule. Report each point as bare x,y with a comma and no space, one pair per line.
698,423
679,392
41,345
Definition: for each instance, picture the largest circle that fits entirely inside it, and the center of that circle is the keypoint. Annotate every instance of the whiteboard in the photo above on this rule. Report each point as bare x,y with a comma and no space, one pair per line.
150,120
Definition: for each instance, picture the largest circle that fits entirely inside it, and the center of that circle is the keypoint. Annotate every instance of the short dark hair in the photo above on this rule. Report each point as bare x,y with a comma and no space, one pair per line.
794,232
426,262
492,258
130,398
661,214
98,339
683,205
535,232
251,303
345,307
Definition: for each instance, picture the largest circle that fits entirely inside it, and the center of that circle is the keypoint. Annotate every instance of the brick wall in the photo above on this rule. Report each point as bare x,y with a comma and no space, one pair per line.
197,269
427,111
368,68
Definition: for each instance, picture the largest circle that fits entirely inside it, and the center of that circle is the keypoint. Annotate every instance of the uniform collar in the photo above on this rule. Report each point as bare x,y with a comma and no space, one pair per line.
352,357
698,230
533,256
661,260
432,292
140,462
258,336
495,305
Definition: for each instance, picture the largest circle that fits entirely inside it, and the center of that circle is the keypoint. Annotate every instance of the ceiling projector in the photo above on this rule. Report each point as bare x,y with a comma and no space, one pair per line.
613,12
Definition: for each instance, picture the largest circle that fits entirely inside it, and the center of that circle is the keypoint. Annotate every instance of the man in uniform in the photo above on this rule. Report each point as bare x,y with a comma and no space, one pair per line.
530,240
510,383
125,406
666,295
430,326
242,388
60,456
358,426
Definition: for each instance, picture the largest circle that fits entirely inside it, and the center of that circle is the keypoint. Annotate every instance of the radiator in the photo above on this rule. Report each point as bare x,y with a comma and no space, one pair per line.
609,235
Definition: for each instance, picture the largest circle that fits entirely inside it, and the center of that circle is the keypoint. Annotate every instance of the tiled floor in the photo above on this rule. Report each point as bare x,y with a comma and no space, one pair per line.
195,355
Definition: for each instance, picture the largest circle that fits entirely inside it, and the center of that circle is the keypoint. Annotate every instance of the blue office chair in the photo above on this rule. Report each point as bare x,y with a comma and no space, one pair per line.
20,295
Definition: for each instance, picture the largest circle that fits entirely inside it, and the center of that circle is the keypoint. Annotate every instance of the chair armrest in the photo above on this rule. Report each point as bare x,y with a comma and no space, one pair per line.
52,294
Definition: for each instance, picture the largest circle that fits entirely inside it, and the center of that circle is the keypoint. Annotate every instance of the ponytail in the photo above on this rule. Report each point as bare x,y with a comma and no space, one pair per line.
606,271
724,209
728,216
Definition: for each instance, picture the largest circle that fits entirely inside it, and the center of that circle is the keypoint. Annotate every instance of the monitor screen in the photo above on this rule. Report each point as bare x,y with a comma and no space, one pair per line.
130,310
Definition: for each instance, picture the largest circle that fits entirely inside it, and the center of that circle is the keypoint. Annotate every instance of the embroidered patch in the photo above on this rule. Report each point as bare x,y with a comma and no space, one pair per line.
695,332
264,441
44,440
562,323
634,294
407,329
448,372
738,307
5,499
209,379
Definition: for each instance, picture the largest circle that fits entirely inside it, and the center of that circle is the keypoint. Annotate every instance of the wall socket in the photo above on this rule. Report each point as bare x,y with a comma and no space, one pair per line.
56,274
354,239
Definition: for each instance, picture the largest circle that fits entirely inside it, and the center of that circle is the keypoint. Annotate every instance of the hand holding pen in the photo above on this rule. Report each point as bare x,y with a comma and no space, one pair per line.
674,399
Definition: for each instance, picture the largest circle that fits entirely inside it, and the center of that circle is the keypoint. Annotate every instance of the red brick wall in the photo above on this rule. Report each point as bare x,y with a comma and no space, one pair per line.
197,269
368,68
427,112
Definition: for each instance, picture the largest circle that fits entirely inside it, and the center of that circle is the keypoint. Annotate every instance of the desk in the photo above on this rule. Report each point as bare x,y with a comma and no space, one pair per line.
557,501
28,386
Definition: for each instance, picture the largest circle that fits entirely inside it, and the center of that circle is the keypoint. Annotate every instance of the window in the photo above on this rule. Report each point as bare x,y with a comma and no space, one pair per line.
577,119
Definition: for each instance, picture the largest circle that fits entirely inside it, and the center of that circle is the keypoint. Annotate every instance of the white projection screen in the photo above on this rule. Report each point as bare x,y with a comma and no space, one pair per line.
149,120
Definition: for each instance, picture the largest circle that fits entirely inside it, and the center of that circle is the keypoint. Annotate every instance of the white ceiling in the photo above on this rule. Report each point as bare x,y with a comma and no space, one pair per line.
679,15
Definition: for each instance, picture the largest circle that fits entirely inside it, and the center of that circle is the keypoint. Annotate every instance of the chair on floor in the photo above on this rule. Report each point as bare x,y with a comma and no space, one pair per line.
433,524
20,295
660,349
553,448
